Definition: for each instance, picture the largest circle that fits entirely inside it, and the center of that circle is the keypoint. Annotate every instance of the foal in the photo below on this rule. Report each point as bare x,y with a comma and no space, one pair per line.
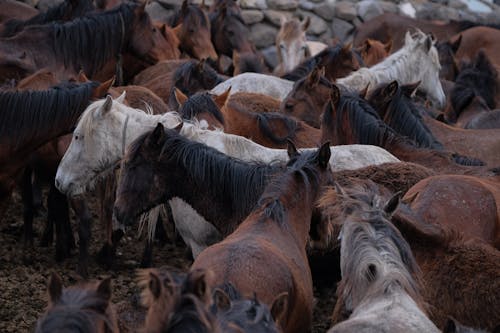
379,291
85,308
266,254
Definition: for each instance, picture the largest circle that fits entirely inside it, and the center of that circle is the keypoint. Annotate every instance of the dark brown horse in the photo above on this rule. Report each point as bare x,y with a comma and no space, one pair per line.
469,204
245,62
266,253
201,107
193,30
11,9
122,34
65,11
449,64
83,308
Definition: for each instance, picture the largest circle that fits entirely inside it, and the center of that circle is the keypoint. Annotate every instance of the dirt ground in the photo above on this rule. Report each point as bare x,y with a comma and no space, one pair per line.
24,274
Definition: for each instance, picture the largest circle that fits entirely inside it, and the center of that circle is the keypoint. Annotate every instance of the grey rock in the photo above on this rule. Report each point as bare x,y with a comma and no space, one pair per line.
326,9
368,9
388,7
457,4
306,5
252,16
283,4
340,28
270,55
263,35
345,10
317,1
157,12
170,4
199,2
275,16
253,4
317,26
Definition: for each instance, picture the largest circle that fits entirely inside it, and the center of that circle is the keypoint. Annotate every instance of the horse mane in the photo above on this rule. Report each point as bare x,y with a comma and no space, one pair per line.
223,175
89,42
77,308
65,11
375,257
199,103
306,67
477,78
194,12
291,125
300,169
28,114
402,116
182,75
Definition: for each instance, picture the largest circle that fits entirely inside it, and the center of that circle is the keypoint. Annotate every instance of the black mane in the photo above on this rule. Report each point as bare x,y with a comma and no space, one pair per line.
65,11
29,114
199,103
264,119
306,67
186,77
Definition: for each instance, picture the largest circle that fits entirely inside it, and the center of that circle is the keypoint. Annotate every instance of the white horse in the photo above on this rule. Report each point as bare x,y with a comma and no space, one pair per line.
380,287
417,60
108,126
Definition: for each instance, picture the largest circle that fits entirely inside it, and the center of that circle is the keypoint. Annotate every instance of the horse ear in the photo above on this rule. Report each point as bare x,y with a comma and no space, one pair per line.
177,30
305,23
184,7
55,287
236,57
103,88
408,38
409,89
364,92
179,127
104,289
393,203
221,99
313,77
156,137
221,299
388,46
428,44
108,103
347,48
169,283
324,155
121,98
201,65
367,44
81,77
179,96
197,284
154,285
456,44
334,96
291,149
279,307
391,89
450,326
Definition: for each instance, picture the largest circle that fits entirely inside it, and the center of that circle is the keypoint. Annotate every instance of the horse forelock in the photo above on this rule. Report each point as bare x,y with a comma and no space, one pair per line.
200,103
291,30
191,315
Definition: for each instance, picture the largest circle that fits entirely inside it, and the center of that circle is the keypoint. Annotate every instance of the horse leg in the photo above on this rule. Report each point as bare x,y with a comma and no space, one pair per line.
28,206
58,210
37,195
84,234
147,255
107,253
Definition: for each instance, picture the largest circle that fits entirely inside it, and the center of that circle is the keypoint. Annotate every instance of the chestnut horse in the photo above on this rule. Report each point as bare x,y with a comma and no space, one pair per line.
83,308
201,107
104,39
452,266
266,254
475,39
192,27
469,204
348,119
373,51
65,11
380,288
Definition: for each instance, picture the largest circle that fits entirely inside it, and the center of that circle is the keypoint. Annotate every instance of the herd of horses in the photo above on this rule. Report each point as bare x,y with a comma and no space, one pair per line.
183,122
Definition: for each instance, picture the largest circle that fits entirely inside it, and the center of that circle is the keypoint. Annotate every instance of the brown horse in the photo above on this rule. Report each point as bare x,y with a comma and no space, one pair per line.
469,204
452,266
65,11
276,232
10,9
201,107
245,62
192,27
476,38
393,26
373,51
83,308
348,119
105,39
270,129
449,64
177,302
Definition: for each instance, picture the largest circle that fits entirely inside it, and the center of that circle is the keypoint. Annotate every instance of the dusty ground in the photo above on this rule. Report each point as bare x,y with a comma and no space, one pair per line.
24,273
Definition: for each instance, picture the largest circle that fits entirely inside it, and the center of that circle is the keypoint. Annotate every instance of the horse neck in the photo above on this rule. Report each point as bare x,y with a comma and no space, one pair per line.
473,109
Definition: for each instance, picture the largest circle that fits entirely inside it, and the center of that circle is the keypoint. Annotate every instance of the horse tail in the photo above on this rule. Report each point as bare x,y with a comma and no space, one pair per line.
263,120
466,160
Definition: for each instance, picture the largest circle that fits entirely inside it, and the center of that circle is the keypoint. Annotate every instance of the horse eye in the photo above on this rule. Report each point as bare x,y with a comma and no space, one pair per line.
191,30
282,46
76,137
